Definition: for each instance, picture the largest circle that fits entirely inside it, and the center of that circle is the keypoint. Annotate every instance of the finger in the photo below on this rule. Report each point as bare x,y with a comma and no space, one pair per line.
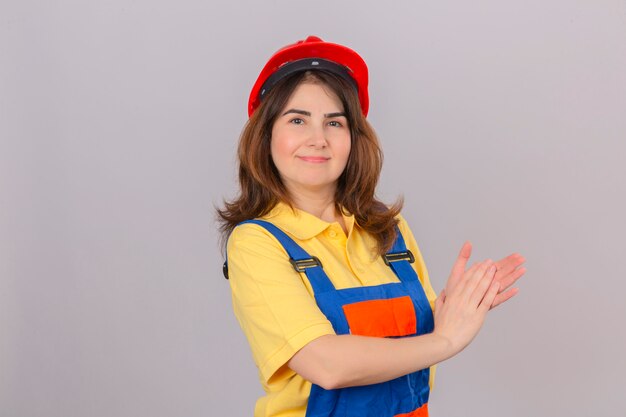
462,283
459,265
508,264
510,279
504,296
489,297
478,275
483,285
511,261
471,279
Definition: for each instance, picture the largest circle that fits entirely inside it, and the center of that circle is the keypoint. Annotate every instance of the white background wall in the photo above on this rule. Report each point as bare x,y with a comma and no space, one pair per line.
502,122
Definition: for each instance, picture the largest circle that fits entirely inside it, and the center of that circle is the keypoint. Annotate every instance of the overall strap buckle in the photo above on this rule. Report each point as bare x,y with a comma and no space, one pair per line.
302,264
398,256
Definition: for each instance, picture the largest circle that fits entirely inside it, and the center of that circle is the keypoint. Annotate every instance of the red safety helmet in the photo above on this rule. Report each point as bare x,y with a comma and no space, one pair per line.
312,53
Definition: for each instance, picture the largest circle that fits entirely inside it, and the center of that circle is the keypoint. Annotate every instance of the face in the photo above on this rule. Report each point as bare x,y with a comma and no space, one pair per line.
310,141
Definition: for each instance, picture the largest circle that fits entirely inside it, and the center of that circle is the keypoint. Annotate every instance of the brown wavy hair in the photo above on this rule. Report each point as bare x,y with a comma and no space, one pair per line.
261,187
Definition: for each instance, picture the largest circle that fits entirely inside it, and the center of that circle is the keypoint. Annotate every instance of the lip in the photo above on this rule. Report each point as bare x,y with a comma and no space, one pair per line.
314,159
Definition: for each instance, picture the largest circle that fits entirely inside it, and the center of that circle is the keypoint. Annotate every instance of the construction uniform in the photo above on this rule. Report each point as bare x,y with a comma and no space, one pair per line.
353,292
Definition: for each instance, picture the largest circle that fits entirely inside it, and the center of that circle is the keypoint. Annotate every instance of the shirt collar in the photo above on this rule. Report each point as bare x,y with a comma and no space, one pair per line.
299,223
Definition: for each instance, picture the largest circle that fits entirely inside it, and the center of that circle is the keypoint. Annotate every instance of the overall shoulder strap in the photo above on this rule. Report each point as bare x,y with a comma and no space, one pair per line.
399,259
298,257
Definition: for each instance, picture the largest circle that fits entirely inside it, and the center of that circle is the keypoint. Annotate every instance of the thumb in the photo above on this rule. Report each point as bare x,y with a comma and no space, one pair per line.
459,265
440,300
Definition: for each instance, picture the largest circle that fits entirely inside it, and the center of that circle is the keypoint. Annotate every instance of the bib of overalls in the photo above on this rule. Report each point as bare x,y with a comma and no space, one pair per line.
388,310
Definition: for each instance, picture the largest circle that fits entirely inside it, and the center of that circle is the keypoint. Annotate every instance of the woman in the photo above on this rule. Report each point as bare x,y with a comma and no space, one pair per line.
328,283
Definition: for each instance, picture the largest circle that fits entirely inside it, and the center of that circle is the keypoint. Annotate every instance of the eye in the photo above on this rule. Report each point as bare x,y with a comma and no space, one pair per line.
296,121
335,123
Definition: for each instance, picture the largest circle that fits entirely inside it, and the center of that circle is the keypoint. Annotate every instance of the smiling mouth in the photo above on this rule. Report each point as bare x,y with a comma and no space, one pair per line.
314,159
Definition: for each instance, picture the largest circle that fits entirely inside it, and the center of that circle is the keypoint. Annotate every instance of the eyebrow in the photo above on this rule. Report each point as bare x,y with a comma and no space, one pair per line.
307,113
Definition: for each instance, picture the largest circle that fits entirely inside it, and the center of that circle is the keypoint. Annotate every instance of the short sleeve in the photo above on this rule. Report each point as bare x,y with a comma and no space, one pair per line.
276,311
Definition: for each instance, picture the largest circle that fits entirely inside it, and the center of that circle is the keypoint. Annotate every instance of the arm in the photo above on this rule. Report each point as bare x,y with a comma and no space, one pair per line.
277,313
341,361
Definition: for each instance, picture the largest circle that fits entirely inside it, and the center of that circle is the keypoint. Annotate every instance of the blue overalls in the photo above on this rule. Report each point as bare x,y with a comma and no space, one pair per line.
389,310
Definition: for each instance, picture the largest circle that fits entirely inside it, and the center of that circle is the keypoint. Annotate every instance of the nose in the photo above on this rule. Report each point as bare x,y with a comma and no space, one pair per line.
317,137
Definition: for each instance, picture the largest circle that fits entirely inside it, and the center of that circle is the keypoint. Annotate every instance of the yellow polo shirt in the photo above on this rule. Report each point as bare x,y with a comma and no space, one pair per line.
274,304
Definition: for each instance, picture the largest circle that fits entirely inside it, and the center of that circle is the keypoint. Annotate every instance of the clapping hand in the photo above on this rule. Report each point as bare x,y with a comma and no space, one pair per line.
509,270
470,293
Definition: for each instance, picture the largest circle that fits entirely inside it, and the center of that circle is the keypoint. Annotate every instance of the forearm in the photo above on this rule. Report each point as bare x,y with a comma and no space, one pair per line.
343,361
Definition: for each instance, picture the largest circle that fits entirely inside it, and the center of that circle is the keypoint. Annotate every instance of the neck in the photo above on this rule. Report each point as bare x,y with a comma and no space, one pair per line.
322,206
319,204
